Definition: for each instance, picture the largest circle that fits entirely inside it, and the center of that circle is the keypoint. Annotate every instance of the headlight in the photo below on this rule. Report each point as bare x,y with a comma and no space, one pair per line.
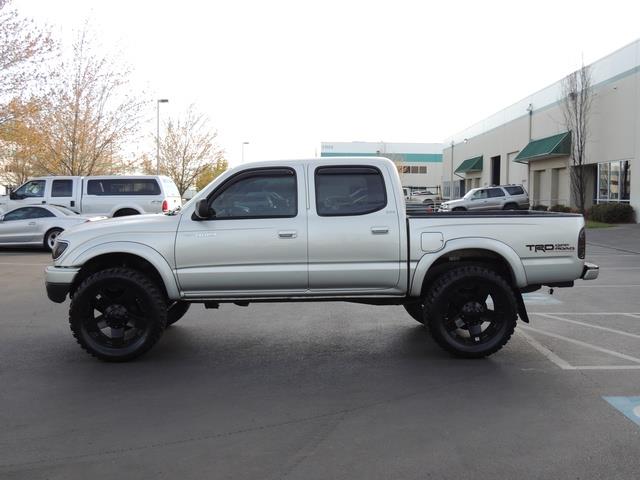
58,249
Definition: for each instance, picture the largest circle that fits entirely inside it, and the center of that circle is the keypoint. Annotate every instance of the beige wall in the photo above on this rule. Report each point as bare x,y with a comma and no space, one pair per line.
614,135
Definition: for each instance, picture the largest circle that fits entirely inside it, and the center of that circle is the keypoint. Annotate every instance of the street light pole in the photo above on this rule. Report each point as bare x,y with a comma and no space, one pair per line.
243,144
160,100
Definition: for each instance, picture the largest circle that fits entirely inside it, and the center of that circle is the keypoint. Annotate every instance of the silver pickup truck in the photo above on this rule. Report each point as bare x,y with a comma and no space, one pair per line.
312,230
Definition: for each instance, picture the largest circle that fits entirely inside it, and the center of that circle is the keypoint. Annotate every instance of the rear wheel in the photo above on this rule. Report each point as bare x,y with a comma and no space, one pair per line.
472,311
176,311
50,238
117,314
510,206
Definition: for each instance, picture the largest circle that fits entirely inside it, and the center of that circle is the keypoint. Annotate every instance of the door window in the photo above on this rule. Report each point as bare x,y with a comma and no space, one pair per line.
267,193
34,188
27,213
342,191
480,194
496,192
62,188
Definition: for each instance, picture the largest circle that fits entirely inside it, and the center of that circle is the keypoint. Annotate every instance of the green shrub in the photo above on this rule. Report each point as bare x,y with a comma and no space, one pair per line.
612,213
560,208
540,208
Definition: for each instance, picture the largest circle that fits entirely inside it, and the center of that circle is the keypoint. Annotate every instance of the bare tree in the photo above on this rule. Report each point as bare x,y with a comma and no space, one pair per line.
23,49
188,148
577,99
88,116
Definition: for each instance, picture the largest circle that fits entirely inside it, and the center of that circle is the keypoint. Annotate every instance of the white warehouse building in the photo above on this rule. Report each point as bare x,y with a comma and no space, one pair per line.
419,164
528,142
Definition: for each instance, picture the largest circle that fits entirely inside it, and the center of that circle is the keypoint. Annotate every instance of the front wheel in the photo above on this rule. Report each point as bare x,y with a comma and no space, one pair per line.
472,311
117,314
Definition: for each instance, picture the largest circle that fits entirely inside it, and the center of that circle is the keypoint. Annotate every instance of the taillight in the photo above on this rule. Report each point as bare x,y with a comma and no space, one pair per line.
582,244
165,206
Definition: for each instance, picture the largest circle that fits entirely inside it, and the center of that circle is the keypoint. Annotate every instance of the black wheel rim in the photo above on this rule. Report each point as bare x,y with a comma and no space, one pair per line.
475,313
116,316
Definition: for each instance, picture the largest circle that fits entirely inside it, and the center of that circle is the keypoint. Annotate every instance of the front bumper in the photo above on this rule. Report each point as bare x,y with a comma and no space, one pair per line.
590,271
58,281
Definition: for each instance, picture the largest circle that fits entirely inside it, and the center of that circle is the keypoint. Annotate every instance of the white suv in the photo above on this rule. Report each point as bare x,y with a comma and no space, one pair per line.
501,197
109,195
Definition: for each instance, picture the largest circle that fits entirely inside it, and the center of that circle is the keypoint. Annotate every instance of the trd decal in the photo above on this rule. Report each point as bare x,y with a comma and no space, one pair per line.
551,247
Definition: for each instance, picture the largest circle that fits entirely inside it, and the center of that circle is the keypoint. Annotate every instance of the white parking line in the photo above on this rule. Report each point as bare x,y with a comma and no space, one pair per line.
552,357
582,344
576,322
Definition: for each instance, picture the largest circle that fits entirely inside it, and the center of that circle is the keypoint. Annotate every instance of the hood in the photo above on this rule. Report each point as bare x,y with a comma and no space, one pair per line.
121,228
453,203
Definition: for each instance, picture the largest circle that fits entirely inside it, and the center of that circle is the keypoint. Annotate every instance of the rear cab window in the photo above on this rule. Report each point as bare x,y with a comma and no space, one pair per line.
62,188
124,186
349,190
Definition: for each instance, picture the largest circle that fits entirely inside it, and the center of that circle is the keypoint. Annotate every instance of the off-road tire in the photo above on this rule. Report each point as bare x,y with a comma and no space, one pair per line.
415,310
145,294
439,301
176,311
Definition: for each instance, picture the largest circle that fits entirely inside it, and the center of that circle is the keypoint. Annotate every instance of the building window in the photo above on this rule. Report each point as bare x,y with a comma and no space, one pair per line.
614,182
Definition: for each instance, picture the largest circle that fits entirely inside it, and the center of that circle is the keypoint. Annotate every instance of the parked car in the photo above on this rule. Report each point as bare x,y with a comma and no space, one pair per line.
303,230
426,197
111,195
37,225
501,197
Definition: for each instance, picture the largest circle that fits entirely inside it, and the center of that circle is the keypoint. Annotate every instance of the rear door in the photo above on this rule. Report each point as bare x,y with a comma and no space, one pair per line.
63,192
354,231
496,198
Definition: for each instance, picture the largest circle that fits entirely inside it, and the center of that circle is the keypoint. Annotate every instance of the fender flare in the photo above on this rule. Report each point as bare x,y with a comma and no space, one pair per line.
133,248
475,243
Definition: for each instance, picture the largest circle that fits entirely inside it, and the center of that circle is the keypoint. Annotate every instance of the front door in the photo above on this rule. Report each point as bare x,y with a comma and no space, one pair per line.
354,231
256,242
21,225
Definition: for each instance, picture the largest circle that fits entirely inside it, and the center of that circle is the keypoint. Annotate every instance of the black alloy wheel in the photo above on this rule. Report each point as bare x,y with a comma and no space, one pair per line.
117,314
472,311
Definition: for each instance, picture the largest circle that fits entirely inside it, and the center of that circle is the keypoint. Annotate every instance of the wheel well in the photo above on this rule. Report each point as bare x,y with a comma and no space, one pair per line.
468,256
123,212
110,260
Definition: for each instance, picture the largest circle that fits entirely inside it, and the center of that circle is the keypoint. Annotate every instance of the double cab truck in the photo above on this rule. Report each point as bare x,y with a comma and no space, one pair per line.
109,195
326,229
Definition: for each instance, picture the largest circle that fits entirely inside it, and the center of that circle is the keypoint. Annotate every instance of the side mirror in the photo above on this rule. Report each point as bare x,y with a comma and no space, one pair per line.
202,210
13,196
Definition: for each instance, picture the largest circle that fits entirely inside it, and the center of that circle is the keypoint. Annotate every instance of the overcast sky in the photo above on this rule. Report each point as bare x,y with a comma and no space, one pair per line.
286,75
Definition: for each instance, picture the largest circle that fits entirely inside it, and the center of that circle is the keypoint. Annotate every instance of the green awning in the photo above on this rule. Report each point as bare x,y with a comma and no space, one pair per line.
470,165
549,147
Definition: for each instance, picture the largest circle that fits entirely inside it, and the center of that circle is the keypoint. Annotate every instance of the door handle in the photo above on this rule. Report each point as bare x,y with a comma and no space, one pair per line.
379,230
32,224
288,234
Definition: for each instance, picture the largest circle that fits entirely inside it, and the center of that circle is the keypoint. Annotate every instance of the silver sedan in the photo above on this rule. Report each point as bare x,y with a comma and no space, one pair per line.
37,225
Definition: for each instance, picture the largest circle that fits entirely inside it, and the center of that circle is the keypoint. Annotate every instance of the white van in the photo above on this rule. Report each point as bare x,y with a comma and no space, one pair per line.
110,195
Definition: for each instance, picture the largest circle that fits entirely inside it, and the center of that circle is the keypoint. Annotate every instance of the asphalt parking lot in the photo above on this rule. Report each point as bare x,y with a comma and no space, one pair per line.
331,390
